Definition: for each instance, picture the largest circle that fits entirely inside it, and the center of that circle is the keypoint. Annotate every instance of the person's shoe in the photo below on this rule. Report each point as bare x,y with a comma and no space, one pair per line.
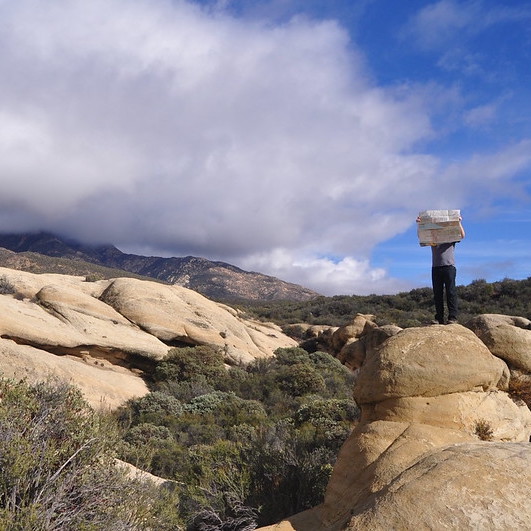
452,321
434,322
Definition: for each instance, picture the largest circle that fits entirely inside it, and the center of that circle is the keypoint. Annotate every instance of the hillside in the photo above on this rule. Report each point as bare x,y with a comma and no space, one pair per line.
216,280
250,434
407,309
33,262
251,429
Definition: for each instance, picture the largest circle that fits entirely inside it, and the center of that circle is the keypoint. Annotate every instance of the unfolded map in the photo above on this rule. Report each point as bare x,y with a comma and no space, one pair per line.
439,226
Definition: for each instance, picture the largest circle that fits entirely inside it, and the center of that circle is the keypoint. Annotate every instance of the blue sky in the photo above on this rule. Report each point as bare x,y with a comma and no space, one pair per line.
298,138
482,51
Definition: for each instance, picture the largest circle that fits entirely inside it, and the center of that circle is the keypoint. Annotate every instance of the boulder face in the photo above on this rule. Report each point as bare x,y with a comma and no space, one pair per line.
492,494
359,326
507,337
416,363
102,335
437,425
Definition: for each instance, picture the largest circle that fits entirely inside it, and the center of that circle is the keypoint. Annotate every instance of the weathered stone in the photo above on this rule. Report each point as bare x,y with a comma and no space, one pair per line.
104,385
465,486
115,326
428,361
178,315
507,337
354,351
353,330
433,388
508,420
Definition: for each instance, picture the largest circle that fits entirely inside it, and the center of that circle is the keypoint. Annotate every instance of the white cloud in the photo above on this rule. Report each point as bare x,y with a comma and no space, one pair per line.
439,22
164,125
484,177
444,24
327,276
480,116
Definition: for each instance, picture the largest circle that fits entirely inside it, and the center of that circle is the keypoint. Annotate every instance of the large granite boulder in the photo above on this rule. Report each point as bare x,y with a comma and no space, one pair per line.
423,392
352,331
355,350
177,315
104,385
103,335
507,337
429,362
464,486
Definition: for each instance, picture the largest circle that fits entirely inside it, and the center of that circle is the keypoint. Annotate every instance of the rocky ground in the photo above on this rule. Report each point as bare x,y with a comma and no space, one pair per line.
443,440
104,335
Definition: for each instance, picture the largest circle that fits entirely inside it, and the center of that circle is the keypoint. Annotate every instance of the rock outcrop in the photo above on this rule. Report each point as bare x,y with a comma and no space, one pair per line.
507,337
429,397
102,335
491,492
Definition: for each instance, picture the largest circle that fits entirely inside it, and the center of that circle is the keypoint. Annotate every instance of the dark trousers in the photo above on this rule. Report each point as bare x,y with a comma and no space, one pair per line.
443,277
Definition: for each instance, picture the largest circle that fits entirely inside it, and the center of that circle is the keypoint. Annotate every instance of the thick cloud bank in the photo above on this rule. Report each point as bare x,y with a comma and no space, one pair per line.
169,127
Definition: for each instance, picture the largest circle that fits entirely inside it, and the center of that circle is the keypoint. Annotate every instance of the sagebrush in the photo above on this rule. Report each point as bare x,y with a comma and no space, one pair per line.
58,469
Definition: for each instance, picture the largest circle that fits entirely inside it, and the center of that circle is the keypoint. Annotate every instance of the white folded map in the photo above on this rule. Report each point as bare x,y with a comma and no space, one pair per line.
439,226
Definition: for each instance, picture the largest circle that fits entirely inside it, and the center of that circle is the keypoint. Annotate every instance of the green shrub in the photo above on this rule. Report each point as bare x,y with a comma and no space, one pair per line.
289,471
227,513
57,466
186,390
6,287
94,277
332,410
221,486
208,403
325,361
249,445
228,408
413,308
300,379
143,433
291,356
156,402
190,363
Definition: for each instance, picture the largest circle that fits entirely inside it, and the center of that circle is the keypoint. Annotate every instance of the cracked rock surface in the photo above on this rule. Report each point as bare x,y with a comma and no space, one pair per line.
102,336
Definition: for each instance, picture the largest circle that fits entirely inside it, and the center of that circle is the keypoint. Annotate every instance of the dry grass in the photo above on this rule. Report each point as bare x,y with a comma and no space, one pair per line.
483,430
520,389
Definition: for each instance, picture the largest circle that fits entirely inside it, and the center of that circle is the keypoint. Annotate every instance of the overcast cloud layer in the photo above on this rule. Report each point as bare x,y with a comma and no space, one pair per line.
167,128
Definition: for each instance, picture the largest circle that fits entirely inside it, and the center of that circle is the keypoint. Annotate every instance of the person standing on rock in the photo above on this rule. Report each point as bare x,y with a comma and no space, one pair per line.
443,273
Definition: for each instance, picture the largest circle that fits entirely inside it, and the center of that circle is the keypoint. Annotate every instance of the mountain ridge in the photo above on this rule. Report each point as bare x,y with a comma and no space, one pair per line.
214,279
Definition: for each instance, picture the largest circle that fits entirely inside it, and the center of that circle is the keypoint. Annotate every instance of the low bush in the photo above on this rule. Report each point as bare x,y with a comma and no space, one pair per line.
94,277
6,287
191,363
520,389
483,430
58,468
247,445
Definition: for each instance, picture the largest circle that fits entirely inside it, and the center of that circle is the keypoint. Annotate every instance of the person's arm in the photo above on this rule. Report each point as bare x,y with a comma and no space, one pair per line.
461,228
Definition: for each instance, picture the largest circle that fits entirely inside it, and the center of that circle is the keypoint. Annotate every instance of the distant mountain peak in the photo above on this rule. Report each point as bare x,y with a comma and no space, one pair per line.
216,280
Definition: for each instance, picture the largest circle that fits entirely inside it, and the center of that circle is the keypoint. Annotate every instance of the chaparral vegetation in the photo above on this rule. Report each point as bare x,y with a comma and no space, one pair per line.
246,446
